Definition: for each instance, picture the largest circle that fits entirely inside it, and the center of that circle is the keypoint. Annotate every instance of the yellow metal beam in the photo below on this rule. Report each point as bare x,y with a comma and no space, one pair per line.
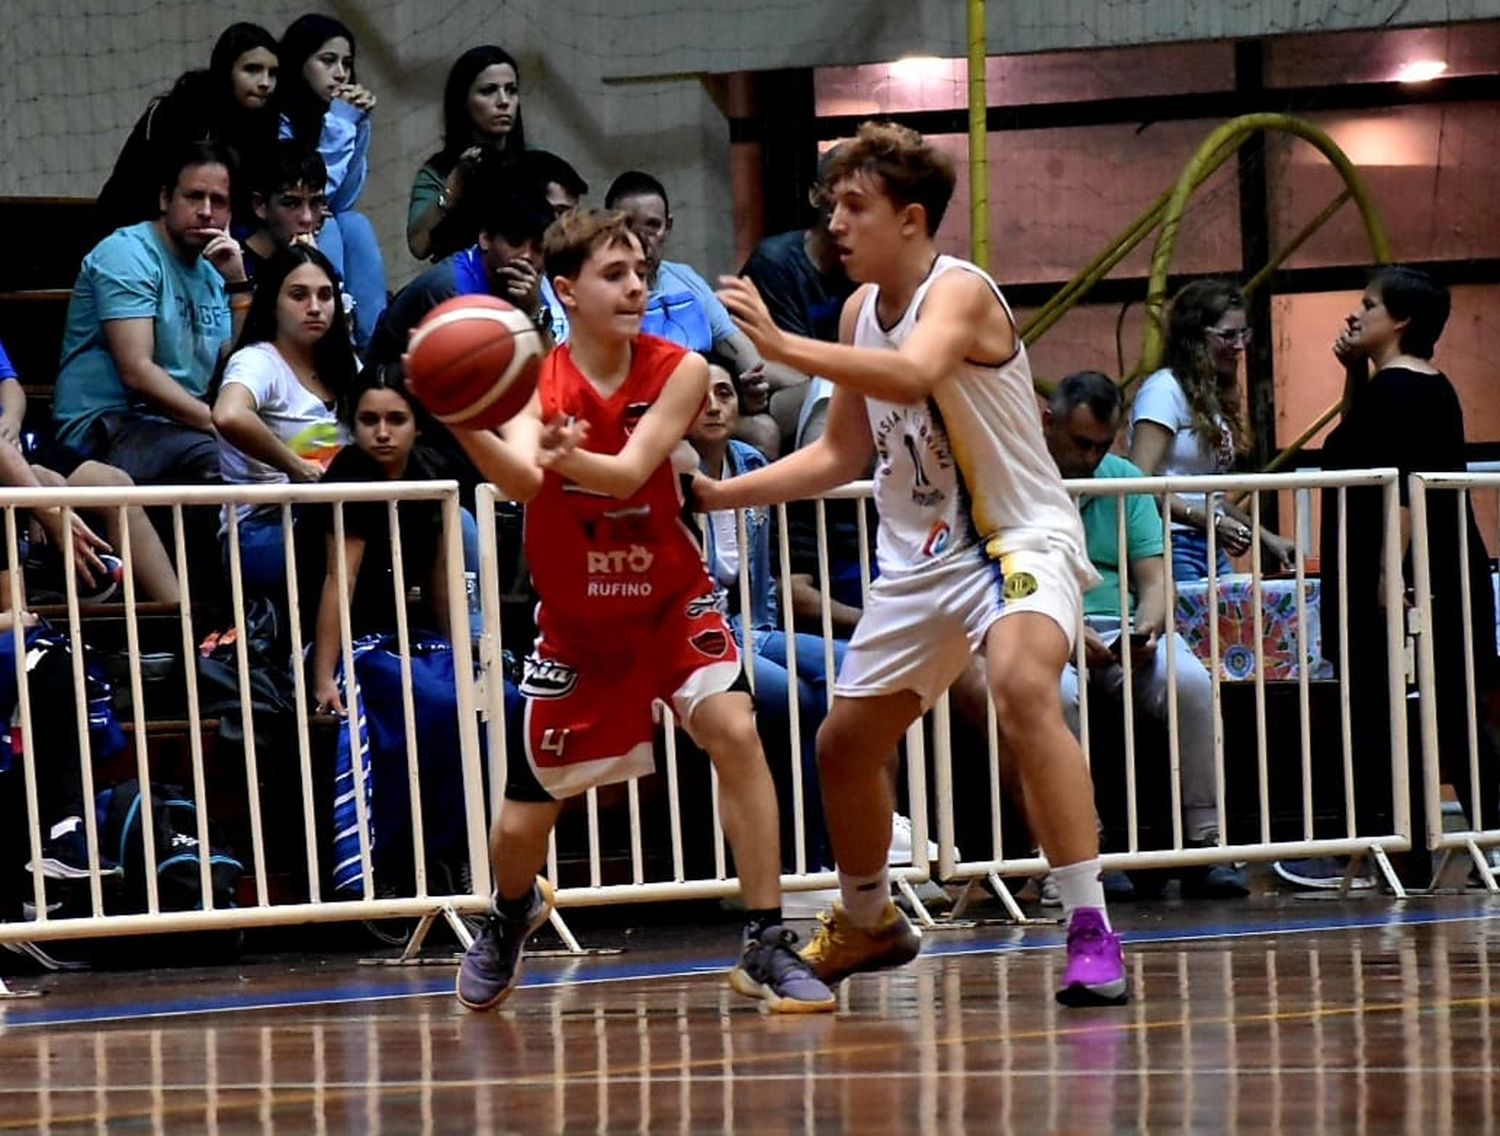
1307,230
979,171
1102,265
1210,154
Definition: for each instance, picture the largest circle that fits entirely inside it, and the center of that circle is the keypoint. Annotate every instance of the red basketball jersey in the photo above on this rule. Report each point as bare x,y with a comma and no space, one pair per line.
594,557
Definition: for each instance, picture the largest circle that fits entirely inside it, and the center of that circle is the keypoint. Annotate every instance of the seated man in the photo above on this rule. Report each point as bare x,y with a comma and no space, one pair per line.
289,198
802,280
505,262
682,308
1080,421
149,314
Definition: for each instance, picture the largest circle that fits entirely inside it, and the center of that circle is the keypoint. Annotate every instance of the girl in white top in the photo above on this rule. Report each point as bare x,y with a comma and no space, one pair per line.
276,409
1186,421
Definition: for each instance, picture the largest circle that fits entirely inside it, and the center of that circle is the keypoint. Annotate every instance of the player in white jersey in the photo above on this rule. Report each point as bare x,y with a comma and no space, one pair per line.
980,549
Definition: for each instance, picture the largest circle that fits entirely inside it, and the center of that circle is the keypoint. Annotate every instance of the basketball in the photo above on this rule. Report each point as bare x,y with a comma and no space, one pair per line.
473,361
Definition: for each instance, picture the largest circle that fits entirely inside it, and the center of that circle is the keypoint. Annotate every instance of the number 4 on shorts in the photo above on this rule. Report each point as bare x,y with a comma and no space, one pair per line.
553,741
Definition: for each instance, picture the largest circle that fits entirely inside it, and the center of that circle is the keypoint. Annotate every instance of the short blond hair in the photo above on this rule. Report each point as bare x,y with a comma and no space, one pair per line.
910,169
577,234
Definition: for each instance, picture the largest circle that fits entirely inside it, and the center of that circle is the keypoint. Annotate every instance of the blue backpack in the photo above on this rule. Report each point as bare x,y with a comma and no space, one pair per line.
175,827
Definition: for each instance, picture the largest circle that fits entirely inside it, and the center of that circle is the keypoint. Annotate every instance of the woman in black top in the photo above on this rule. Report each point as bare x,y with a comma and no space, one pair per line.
230,101
384,425
1402,411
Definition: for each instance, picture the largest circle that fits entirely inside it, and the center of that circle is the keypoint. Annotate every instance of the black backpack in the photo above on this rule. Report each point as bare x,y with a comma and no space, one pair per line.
175,827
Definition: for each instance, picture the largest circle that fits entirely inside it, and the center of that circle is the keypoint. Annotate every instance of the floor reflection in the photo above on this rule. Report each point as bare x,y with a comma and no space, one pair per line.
1369,1030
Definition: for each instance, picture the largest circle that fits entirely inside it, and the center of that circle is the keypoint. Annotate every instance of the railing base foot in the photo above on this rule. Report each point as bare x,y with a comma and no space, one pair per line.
1383,862
1014,916
918,908
1482,866
7,994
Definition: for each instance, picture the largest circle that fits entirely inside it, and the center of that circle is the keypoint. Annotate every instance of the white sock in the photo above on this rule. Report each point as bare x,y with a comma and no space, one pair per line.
865,897
1078,885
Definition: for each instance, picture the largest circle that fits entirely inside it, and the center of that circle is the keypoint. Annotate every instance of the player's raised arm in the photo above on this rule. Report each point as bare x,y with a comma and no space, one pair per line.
839,455
960,319
651,443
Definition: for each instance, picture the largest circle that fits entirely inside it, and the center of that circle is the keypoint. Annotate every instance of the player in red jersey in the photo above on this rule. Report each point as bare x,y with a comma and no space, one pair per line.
627,614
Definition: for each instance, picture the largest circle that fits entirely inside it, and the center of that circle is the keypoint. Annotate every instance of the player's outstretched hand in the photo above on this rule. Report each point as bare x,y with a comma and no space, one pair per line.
560,437
751,315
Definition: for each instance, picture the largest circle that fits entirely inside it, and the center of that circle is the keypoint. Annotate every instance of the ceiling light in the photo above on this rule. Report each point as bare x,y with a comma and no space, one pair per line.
916,68
1421,71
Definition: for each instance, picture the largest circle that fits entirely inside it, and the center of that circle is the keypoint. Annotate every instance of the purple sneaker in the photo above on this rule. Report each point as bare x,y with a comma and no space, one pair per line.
1095,975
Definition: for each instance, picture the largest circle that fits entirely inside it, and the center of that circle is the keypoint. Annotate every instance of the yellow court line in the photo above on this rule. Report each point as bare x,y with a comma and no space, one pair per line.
1092,1028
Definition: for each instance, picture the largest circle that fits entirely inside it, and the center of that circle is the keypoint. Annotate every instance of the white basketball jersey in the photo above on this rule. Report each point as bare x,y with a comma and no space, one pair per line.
967,471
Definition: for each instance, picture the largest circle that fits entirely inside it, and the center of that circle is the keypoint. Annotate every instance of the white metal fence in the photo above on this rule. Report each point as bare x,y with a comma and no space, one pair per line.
310,902
1471,760
1283,808
1280,786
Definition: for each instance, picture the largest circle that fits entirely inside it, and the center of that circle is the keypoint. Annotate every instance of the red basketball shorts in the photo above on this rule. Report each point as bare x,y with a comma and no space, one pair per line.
590,692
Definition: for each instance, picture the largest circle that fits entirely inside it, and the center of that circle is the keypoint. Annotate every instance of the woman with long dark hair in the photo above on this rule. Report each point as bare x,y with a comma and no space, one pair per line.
1187,421
277,403
384,426
230,101
324,107
481,122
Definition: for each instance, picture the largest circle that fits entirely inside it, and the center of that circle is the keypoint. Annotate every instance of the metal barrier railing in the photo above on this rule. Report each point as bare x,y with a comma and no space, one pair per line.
657,865
1340,835
311,904
1474,767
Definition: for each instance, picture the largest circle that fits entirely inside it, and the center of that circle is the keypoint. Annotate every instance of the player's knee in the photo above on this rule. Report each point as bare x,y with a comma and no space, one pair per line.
841,750
1025,697
729,735
832,736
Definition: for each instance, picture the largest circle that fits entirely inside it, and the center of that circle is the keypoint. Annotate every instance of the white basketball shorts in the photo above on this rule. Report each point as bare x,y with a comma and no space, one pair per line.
920,628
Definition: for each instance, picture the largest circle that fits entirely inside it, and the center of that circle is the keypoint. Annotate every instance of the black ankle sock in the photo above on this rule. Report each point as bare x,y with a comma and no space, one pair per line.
515,908
758,919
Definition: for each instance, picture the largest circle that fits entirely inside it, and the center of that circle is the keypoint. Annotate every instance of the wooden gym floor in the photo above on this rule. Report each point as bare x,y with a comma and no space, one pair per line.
1273,1014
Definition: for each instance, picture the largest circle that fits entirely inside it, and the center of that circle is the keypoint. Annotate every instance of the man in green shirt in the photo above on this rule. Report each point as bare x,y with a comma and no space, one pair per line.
1081,420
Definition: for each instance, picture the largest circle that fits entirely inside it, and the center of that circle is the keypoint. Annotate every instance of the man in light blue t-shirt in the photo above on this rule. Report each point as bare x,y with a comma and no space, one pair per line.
683,308
152,308
1081,420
